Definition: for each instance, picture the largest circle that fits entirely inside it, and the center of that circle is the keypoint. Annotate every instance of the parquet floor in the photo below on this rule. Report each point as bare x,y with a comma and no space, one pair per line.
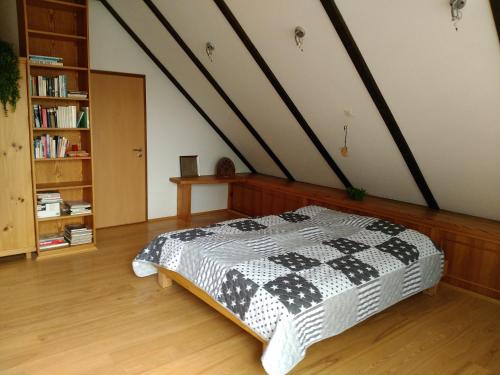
89,314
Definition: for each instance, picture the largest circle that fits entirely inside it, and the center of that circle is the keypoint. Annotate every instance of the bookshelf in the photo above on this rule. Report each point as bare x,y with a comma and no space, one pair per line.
58,31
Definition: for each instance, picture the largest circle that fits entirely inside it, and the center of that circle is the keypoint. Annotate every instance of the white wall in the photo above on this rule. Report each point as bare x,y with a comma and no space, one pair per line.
166,49
173,126
323,82
8,23
443,87
236,71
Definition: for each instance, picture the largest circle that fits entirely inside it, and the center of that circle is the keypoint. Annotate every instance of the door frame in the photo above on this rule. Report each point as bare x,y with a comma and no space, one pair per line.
143,77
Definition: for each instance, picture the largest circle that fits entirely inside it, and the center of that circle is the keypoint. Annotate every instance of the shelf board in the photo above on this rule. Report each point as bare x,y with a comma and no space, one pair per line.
51,35
63,185
60,129
58,4
59,98
58,67
67,250
62,217
64,159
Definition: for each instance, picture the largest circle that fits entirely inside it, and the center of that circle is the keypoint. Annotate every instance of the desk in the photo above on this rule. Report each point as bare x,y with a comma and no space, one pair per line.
184,190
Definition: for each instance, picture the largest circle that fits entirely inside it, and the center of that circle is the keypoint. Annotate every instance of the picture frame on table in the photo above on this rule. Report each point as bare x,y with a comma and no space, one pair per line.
189,165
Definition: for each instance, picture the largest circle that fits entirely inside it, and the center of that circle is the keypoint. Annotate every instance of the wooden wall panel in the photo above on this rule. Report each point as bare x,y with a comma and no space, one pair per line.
471,245
17,227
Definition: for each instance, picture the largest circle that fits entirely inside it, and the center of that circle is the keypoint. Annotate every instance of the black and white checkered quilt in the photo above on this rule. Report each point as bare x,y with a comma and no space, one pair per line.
301,276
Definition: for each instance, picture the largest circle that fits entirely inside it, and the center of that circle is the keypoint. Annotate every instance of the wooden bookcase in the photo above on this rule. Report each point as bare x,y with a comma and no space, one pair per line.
59,28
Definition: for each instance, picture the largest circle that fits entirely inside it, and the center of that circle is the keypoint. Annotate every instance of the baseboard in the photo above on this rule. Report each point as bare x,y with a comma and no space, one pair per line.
472,287
161,218
466,290
211,212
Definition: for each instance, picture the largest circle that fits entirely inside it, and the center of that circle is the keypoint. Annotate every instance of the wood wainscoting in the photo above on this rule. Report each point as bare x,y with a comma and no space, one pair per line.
471,244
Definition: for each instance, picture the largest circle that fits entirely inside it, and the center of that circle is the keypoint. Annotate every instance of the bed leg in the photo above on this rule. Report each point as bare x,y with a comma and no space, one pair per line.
432,291
164,280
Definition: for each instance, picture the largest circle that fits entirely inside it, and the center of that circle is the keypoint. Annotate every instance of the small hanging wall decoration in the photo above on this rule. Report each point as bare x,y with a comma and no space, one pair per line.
344,151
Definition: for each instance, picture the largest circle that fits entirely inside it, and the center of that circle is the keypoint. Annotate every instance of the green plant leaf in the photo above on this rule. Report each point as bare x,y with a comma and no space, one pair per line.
9,76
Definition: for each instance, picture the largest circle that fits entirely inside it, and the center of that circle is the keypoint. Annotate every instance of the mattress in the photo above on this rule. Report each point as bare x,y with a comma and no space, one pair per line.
299,277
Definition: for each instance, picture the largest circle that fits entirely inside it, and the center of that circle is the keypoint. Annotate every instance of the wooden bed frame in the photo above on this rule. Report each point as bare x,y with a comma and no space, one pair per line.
166,277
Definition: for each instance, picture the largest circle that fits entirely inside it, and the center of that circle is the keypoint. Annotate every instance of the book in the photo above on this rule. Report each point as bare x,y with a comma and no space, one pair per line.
77,234
77,94
48,205
77,204
77,207
52,242
83,118
43,200
51,239
77,154
46,210
46,60
54,246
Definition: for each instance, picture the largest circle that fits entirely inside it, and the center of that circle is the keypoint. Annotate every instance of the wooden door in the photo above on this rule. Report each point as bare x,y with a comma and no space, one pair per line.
119,136
17,222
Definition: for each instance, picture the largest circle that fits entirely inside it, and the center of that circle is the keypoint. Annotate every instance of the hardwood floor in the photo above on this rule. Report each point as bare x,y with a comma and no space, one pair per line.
89,314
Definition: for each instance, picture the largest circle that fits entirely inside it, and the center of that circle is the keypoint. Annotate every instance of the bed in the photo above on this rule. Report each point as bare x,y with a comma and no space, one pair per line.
296,278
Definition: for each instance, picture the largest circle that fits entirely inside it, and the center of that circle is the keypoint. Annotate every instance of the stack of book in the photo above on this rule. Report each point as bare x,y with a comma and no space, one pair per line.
48,204
77,234
46,60
77,94
52,241
48,86
50,147
77,208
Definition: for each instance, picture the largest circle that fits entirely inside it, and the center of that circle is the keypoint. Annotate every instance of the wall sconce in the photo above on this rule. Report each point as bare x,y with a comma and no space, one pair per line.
300,33
209,49
456,12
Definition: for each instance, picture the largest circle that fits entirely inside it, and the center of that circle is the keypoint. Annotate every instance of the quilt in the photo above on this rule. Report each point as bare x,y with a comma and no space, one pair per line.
299,277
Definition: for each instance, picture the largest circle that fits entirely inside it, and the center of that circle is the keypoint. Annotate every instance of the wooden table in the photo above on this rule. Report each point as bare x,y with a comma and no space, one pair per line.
184,189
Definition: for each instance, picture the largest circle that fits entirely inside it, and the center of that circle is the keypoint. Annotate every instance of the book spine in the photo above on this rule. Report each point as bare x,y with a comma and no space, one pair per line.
86,117
36,119
44,117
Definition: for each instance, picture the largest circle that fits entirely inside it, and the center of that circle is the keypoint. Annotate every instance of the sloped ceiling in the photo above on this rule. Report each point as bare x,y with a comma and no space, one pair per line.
442,86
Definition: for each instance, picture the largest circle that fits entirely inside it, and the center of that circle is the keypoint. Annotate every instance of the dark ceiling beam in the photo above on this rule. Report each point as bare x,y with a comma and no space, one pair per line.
377,97
159,15
495,9
280,90
164,70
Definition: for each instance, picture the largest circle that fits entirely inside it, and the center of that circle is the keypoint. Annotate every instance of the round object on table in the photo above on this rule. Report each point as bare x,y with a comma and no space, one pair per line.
225,168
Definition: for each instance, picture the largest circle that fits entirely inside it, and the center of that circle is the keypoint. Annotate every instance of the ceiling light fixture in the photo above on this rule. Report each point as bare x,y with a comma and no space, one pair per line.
209,49
300,33
456,11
